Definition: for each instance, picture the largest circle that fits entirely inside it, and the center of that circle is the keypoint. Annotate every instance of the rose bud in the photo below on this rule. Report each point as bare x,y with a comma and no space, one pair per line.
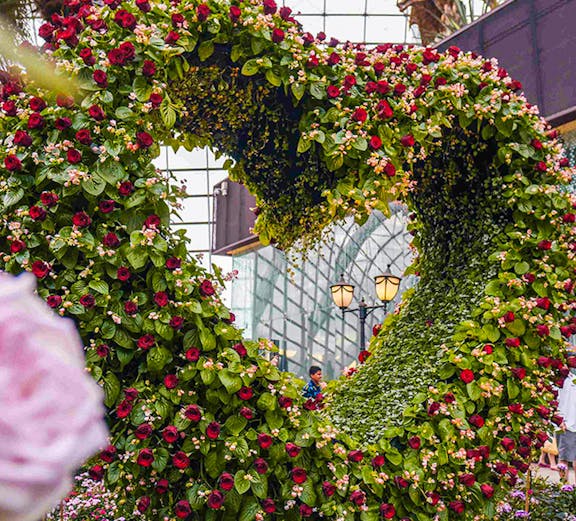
356,456
358,497
213,430
193,413
145,458
180,460
292,450
387,510
265,440
268,506
414,442
298,475
170,434
143,431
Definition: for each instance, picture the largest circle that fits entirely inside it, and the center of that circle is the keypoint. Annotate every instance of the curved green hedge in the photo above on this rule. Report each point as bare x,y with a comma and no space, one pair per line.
455,396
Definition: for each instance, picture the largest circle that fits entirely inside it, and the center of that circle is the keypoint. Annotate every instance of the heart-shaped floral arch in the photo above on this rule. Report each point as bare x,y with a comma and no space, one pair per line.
456,395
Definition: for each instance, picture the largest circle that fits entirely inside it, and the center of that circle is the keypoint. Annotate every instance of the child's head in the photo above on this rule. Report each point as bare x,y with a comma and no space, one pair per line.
315,373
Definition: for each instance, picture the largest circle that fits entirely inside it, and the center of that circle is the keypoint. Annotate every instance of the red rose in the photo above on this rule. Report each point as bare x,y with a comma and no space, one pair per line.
161,298
544,245
144,139
148,68
543,303
305,510
176,322
375,142
83,136
102,350
487,490
512,342
88,300
433,408
143,5
298,475
240,349
509,316
87,56
111,240
146,341
125,19
292,449
193,413
270,6
332,91
130,308
247,413
519,372
516,408
125,188
334,58
245,393
62,123
81,219
46,31
143,504
22,138
100,78
449,398
96,113
328,489
9,108
108,455
171,381
162,486
387,510
434,497
407,141
476,420
401,482
360,115
54,301
182,509
107,205
349,81
152,221
378,461
278,35
268,506
12,163
124,408
74,157
215,500
213,430
356,456
206,288
173,263
467,376
37,104
234,13
131,394
155,99
265,440
358,497
384,109
467,479
40,269
399,89
508,443
96,472
414,442
260,465
226,481
457,506
284,401
203,12
180,460
123,273
193,354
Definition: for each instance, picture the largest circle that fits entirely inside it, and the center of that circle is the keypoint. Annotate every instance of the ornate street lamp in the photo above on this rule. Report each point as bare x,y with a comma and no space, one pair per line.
387,286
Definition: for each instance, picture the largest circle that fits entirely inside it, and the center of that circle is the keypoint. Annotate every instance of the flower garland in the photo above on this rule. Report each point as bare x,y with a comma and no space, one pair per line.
201,424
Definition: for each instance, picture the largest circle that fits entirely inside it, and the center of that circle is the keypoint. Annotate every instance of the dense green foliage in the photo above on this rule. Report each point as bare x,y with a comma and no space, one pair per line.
203,426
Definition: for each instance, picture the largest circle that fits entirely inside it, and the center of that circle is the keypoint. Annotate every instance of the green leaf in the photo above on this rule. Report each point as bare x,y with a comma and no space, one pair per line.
273,78
137,257
492,332
12,197
260,487
266,402
113,472
446,371
241,484
251,67
513,389
168,114
308,495
517,327
205,50
161,457
94,186
99,286
124,113
298,90
318,90
111,389
235,424
232,382
249,510
207,339
521,267
142,88
473,390
157,358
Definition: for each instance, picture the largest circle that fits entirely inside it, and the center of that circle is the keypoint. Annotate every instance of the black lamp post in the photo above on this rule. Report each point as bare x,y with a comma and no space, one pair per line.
387,286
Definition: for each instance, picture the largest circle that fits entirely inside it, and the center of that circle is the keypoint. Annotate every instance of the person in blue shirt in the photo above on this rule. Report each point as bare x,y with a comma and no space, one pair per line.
314,387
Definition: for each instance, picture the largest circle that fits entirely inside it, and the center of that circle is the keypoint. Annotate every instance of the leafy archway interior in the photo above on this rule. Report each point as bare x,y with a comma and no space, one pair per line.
455,396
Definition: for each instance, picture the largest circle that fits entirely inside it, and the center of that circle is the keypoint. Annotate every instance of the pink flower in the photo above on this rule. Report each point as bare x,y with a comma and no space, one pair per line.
52,415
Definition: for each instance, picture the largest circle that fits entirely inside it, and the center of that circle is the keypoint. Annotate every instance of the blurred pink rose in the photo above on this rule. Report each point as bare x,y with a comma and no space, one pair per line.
52,417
